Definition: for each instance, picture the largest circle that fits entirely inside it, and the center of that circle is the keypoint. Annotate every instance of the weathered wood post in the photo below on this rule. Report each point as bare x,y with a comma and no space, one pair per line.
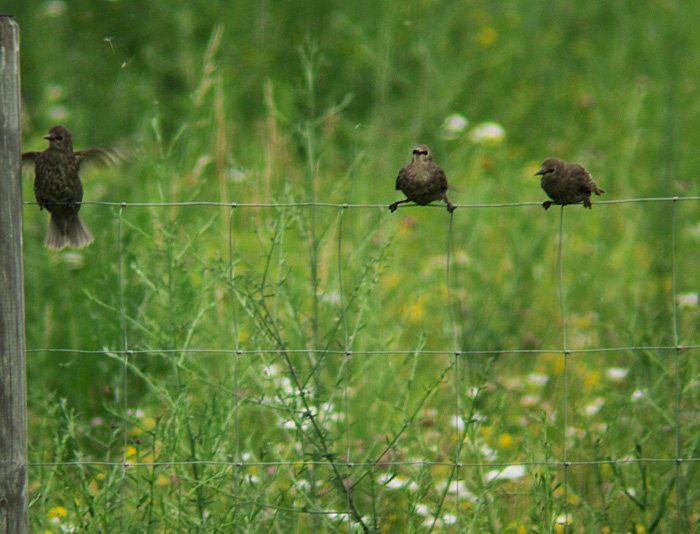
13,387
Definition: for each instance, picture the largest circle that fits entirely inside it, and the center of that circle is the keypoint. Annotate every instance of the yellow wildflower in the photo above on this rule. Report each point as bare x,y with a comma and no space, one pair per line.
57,511
505,440
487,36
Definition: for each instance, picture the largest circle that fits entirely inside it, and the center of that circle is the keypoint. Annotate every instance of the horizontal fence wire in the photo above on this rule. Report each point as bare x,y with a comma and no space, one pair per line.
128,356
354,206
350,465
253,352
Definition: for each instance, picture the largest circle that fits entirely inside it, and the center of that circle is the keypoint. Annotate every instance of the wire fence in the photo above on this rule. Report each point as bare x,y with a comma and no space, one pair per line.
346,464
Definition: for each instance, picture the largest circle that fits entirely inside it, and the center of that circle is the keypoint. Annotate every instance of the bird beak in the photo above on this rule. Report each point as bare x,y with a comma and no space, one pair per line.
49,137
539,172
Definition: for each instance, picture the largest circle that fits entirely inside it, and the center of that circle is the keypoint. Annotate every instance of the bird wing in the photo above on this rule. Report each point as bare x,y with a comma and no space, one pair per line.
442,178
401,179
589,184
28,160
101,157
581,177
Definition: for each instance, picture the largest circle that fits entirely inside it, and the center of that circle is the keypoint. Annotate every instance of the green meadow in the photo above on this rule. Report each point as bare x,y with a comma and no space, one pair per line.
255,344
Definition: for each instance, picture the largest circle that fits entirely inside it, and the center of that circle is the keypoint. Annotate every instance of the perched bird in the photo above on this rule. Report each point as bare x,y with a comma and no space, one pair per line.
566,183
57,186
422,181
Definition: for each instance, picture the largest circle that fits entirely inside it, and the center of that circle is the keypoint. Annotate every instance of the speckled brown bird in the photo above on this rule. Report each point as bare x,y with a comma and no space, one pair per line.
566,183
57,186
422,181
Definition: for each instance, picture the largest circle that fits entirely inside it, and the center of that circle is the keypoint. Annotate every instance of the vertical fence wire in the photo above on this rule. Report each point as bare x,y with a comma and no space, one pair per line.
236,362
565,400
457,382
346,357
680,481
125,365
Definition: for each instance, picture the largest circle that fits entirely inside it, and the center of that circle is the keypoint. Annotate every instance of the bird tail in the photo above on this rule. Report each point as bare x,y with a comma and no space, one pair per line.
598,191
63,233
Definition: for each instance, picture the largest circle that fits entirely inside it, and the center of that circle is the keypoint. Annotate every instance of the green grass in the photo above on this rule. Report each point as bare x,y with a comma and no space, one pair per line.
346,408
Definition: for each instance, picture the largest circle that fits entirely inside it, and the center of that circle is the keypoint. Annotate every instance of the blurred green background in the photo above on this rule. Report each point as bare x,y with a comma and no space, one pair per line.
281,103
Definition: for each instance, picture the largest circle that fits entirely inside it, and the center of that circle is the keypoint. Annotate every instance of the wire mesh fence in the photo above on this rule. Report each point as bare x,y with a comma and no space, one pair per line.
324,395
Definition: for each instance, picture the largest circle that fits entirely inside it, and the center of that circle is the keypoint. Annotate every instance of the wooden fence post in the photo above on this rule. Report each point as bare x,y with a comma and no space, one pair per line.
13,387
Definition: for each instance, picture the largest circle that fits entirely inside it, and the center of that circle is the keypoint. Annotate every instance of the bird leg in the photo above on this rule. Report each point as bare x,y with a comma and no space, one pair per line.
392,207
450,207
587,203
547,204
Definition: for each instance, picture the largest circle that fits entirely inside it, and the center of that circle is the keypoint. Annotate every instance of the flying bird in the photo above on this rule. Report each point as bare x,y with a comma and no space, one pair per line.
422,181
57,186
566,183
